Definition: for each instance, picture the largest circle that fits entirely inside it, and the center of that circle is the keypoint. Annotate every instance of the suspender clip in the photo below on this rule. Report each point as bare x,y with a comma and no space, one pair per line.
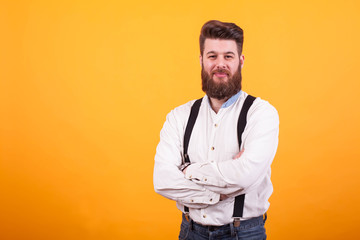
187,216
236,222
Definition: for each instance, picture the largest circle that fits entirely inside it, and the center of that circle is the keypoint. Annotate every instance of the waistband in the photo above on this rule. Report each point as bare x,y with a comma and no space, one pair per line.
245,224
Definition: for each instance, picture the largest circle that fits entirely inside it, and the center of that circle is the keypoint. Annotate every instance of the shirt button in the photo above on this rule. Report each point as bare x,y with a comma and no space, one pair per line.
204,216
205,179
212,148
215,125
210,199
192,200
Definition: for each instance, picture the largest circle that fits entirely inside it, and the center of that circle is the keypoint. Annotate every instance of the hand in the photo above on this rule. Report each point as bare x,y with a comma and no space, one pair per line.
223,197
239,154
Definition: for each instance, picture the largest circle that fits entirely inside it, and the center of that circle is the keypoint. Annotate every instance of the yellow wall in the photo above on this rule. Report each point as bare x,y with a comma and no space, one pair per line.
85,87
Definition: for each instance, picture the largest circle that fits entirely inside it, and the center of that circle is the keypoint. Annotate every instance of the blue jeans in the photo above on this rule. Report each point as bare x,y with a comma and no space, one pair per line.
252,229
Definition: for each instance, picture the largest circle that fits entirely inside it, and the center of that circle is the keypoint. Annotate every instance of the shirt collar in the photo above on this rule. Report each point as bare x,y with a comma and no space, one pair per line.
229,102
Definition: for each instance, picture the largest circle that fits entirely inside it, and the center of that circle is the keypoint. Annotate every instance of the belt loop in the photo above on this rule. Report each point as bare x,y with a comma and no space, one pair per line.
265,217
237,222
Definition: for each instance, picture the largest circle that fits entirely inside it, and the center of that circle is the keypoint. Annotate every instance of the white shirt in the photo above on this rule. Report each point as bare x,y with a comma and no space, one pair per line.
213,171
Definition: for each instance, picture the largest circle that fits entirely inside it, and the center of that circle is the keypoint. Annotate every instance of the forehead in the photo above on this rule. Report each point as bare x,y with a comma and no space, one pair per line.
219,46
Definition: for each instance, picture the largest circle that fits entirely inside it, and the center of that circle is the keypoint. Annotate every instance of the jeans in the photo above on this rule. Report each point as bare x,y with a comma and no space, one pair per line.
252,229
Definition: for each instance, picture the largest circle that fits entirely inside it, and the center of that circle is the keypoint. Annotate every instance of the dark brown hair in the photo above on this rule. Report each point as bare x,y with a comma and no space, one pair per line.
215,29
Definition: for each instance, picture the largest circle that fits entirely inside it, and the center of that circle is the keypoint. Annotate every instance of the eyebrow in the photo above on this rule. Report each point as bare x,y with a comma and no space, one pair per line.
213,52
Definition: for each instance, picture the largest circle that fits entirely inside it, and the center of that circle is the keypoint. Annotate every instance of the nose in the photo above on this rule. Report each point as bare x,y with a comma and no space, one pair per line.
220,63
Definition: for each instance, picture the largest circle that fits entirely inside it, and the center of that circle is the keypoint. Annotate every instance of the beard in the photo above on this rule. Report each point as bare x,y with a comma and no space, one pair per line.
221,90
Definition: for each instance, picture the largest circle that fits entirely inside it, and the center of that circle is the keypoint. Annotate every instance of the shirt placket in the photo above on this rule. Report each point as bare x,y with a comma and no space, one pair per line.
212,153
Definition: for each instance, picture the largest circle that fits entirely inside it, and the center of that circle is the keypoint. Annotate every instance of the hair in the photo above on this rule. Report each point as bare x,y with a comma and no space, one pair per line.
215,29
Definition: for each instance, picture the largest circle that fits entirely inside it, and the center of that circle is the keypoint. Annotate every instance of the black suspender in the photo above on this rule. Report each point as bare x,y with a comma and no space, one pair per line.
239,200
189,127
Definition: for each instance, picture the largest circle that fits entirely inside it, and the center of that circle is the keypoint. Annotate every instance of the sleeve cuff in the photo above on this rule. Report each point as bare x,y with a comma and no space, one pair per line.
208,198
196,172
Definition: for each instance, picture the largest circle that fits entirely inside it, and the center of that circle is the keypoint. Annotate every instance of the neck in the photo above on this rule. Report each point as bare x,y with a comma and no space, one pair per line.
216,103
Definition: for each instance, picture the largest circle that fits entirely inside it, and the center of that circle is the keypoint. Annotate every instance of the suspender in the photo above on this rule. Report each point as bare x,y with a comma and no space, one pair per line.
239,200
189,127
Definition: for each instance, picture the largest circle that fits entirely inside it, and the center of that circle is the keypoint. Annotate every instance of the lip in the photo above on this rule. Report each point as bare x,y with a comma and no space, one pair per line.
220,74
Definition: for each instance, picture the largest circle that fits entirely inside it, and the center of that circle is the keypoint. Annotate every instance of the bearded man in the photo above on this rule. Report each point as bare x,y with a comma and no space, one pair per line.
215,153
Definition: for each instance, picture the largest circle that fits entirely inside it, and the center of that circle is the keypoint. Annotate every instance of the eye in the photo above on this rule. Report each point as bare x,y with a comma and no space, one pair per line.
212,56
228,57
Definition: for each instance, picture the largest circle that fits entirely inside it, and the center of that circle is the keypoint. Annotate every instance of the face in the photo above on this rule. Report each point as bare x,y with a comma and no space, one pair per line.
221,68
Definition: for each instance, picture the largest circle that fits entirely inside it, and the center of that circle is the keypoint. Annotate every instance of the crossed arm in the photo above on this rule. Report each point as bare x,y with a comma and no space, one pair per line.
222,196
194,186
169,181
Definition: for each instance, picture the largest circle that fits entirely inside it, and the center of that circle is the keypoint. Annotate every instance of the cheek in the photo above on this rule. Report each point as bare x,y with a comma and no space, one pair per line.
235,67
208,67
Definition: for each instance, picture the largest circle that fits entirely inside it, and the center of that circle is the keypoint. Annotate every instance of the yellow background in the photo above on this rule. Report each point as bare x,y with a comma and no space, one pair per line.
85,87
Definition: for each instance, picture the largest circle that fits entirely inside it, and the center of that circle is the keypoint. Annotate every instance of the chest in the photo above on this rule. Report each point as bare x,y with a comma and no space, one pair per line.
214,137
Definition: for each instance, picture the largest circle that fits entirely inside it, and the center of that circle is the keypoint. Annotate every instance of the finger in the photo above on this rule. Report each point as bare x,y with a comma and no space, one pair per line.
239,154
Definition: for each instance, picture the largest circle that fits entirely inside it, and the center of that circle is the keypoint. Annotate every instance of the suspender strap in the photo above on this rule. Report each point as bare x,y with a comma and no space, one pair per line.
189,127
240,200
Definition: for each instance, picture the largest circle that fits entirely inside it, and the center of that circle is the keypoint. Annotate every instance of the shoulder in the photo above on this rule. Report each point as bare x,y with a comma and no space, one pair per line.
262,109
180,114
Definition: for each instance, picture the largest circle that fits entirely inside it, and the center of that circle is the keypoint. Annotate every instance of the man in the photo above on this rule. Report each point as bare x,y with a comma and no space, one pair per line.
224,192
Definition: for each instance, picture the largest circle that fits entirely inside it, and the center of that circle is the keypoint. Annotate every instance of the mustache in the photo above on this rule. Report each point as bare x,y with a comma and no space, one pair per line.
220,71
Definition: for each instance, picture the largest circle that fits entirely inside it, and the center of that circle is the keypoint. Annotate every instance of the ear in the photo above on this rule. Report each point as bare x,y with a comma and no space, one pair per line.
242,59
200,58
